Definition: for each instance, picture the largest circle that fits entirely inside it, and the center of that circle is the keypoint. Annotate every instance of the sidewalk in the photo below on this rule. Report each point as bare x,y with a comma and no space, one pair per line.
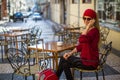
3,22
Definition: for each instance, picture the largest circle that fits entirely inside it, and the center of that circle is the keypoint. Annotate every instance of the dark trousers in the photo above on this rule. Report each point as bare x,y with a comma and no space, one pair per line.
65,65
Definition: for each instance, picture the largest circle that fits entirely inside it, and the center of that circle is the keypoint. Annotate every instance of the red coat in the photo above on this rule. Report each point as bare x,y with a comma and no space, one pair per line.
88,46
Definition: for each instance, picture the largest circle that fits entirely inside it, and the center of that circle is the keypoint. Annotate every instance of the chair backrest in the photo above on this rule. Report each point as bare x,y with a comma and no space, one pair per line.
17,59
35,32
105,53
38,35
42,55
104,31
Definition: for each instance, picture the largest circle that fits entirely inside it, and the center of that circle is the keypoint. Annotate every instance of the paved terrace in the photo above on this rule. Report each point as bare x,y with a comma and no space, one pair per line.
112,68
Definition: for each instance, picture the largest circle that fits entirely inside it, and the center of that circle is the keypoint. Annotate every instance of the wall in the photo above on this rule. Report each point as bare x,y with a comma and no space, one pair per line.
73,14
4,8
74,11
55,9
114,36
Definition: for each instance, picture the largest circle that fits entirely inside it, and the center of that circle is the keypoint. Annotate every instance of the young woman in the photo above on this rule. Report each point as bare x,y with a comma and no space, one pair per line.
88,48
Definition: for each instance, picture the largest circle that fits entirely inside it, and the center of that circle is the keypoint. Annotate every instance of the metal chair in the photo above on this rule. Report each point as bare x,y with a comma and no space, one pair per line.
40,55
104,31
20,63
37,55
103,58
35,32
2,44
59,31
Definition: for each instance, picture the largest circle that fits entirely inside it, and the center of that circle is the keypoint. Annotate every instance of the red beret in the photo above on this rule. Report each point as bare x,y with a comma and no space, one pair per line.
91,13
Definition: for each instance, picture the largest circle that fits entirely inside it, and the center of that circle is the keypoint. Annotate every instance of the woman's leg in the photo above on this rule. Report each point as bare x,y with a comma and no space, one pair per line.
65,65
60,67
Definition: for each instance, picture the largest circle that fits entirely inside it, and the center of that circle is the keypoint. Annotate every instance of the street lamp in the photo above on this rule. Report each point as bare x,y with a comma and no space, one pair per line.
0,8
9,9
0,2
20,5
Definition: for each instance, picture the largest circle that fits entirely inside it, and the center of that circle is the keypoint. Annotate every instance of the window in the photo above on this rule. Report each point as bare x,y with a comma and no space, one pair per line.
86,1
57,1
75,1
109,11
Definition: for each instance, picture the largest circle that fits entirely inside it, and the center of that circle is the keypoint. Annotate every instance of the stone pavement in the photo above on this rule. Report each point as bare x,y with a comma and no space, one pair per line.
112,68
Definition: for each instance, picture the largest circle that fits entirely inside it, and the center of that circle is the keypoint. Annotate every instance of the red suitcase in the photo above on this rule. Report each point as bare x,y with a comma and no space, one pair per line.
47,74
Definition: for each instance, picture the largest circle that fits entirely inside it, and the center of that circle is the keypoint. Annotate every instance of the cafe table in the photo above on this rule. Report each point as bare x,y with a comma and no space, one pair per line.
13,35
53,48
19,29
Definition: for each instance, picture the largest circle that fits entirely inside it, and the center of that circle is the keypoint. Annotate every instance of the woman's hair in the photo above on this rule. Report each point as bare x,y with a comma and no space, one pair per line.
96,24
98,27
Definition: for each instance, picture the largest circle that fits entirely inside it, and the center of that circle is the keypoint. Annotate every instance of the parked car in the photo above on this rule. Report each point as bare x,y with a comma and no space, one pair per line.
26,14
18,16
36,16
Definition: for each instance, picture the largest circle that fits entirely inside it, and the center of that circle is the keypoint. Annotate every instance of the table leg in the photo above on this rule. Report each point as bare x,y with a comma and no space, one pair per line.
56,60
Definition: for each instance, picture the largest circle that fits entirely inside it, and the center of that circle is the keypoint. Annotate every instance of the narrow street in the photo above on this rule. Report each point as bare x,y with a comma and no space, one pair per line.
45,25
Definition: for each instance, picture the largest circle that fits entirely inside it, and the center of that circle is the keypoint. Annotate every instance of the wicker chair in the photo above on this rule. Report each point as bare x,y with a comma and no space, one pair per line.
103,58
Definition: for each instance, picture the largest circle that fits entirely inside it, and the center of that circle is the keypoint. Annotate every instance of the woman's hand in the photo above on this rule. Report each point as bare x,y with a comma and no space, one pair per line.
66,55
90,24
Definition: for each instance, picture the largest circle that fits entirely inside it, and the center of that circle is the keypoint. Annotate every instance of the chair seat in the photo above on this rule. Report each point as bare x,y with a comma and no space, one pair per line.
34,68
89,70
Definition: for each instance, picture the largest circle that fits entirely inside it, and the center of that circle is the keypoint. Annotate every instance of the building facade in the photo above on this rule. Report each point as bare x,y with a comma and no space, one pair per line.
0,9
3,9
9,7
71,11
109,11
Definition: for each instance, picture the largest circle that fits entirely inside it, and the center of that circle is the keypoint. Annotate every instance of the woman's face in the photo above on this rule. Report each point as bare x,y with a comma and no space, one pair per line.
86,20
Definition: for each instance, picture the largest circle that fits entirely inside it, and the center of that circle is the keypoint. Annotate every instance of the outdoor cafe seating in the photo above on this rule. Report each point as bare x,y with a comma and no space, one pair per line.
20,64
34,54
104,34
17,52
68,33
